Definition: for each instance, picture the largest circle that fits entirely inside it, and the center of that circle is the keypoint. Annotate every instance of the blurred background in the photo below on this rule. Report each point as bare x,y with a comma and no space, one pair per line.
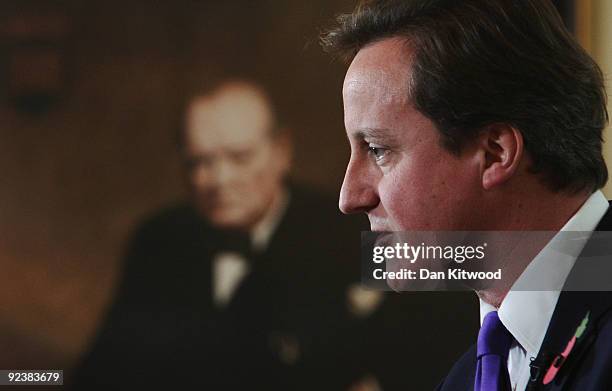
91,94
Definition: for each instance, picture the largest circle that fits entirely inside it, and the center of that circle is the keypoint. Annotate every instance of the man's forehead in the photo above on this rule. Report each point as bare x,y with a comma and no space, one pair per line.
382,70
235,115
378,84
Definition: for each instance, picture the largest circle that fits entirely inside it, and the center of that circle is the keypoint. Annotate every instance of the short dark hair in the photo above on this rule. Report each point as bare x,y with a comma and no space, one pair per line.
481,62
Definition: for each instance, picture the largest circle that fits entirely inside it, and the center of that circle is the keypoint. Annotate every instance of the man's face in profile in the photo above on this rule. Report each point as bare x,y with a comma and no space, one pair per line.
399,174
236,165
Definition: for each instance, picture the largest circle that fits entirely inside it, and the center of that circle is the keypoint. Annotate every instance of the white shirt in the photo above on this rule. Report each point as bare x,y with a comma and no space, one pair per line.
230,268
526,314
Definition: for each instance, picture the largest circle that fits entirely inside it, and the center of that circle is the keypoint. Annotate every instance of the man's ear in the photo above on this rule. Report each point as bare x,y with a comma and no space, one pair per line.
502,151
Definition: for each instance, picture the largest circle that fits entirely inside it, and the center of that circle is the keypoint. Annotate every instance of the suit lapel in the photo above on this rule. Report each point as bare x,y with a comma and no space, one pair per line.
576,315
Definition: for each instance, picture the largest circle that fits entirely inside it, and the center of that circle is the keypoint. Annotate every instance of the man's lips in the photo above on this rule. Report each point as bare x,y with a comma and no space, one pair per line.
377,225
220,201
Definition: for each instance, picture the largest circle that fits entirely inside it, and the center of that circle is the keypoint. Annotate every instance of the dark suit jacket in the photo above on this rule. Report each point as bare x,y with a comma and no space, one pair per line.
284,328
589,364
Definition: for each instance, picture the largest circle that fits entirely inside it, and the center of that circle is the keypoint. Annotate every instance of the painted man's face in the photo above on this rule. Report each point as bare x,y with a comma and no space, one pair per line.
236,163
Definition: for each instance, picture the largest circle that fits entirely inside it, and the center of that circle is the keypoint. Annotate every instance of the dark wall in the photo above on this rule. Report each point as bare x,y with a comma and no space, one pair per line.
78,174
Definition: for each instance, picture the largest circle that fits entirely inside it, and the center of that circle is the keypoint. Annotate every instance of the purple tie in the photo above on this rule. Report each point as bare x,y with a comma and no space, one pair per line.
492,353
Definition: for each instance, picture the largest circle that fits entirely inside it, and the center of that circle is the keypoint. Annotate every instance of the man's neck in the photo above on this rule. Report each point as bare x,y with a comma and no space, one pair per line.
547,214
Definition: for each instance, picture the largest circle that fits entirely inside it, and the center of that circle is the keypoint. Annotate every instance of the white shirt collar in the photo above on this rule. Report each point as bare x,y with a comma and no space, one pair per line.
526,314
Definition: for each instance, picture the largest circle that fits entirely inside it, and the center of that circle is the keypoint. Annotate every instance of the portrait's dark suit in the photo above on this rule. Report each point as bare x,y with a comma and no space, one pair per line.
285,328
589,364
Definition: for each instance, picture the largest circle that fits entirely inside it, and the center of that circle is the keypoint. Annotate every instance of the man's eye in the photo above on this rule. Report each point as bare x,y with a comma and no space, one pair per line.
195,162
378,152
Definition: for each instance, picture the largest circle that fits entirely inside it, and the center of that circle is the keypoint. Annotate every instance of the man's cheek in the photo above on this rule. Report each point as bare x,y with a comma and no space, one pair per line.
396,196
395,214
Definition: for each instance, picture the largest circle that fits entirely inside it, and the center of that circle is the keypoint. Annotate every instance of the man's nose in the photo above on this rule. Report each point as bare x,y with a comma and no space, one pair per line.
215,174
358,193
224,173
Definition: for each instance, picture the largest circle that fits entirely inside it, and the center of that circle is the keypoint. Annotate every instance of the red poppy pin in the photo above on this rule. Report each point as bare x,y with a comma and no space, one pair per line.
560,359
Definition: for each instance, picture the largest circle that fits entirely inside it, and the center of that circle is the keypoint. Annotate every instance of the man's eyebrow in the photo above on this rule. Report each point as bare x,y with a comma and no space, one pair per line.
374,133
